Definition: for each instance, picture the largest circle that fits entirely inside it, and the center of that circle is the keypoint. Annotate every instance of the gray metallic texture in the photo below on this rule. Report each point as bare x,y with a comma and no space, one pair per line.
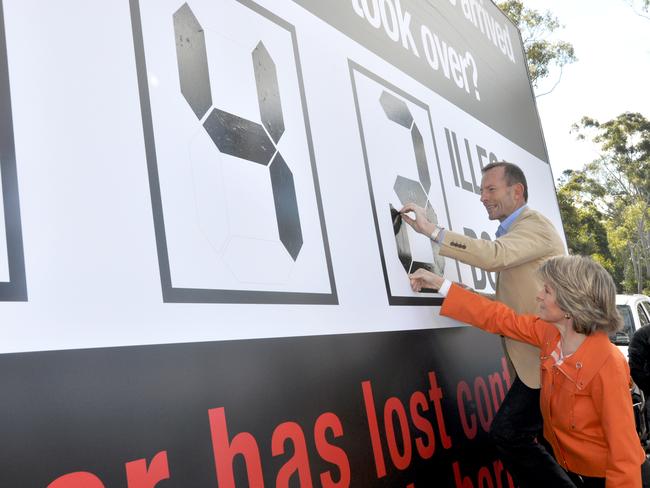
420,158
396,110
235,135
408,190
286,206
268,93
192,61
239,137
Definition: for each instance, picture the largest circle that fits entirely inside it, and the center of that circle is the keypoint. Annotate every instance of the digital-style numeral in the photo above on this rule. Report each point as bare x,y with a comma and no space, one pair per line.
408,190
235,135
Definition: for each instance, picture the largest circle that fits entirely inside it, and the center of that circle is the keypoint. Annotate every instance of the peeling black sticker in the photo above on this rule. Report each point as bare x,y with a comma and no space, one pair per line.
192,61
268,93
286,206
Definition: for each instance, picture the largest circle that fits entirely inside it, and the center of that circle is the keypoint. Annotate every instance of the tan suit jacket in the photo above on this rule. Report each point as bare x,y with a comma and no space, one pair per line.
516,255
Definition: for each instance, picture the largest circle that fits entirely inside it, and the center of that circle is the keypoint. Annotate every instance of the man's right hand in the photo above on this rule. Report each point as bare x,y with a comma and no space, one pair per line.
422,278
420,223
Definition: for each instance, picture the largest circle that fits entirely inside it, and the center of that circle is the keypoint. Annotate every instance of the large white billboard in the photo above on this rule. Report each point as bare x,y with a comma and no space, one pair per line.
200,249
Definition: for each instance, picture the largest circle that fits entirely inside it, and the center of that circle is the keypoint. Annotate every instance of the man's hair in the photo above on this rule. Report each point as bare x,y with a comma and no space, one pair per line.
584,290
512,173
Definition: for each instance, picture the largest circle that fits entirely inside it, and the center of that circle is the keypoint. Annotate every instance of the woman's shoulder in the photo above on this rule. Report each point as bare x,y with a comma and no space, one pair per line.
614,360
617,358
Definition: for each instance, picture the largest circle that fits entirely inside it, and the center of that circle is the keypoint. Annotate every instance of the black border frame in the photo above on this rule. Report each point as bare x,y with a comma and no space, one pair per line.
14,290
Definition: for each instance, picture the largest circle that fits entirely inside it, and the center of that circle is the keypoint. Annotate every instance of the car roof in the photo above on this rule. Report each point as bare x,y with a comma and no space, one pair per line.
630,299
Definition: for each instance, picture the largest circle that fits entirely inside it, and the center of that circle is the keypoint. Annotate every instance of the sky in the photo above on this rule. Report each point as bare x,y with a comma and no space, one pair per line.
611,76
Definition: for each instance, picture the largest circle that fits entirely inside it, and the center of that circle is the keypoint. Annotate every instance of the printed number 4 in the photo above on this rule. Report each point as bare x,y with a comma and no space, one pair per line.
237,136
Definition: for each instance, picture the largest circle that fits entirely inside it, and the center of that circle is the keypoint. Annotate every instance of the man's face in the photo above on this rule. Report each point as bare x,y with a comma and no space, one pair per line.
499,199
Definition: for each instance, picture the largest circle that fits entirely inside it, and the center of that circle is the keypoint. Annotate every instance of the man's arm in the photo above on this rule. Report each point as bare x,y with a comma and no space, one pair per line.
531,237
523,244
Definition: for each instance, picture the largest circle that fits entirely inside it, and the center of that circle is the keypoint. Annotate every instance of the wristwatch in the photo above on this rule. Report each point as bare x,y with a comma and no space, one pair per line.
436,233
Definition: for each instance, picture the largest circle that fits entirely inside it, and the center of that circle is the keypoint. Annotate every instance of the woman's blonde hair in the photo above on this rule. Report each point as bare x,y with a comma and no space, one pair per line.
585,291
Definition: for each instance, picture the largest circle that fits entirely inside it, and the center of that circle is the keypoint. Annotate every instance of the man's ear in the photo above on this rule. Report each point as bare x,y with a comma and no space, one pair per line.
519,191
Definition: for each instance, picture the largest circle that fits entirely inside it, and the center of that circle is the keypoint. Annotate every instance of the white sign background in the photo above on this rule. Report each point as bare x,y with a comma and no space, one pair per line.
90,250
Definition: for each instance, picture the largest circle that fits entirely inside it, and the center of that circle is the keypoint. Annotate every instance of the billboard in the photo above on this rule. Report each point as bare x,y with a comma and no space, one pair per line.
205,285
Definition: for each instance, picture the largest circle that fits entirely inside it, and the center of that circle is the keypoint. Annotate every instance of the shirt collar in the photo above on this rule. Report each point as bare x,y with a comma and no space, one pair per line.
584,364
504,226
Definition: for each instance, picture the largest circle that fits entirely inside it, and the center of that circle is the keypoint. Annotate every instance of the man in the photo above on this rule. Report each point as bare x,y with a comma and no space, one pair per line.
525,238
639,358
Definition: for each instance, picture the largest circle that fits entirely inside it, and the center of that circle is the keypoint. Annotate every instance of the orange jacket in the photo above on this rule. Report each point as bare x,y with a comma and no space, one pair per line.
585,402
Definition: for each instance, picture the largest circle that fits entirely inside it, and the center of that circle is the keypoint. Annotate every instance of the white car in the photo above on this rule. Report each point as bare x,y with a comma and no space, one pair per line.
635,310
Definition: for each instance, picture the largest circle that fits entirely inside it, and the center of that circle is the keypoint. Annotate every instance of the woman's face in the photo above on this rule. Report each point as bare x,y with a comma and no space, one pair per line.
548,308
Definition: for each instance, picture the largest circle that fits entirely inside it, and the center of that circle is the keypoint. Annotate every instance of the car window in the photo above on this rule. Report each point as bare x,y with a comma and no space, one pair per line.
626,313
643,317
646,306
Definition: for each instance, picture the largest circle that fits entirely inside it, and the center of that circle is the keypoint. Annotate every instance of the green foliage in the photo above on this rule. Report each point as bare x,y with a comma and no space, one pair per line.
612,194
629,242
535,28
584,223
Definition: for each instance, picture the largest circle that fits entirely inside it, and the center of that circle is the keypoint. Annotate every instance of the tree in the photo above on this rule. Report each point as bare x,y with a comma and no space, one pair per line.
618,185
629,241
536,27
584,223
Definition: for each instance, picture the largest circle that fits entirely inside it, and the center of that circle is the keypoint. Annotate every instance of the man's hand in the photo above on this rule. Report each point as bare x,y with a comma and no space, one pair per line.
425,279
420,223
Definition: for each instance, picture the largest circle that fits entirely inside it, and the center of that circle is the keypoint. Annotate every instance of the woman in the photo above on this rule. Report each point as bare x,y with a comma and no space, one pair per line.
585,396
